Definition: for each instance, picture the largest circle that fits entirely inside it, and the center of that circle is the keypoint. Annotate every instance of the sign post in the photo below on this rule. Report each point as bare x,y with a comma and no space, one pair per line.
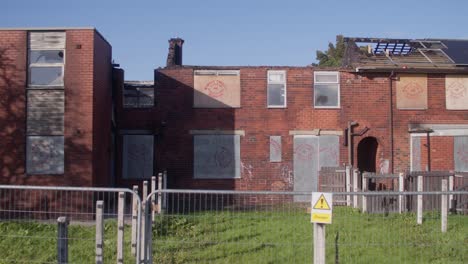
321,214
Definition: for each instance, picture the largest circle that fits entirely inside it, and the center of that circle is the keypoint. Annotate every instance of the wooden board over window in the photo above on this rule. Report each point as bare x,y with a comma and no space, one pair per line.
456,92
216,89
45,155
216,156
47,40
411,91
460,154
45,112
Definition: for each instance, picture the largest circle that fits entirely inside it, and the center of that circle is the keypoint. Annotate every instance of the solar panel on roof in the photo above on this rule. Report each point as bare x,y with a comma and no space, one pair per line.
457,50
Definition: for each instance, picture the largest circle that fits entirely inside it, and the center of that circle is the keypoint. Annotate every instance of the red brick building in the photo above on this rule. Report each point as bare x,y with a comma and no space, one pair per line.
55,107
219,127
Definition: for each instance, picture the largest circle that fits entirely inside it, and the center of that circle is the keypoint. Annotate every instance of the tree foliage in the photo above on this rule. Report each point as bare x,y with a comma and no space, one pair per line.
333,56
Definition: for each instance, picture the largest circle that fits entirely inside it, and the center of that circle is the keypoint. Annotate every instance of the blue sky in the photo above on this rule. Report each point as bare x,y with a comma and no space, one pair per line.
237,32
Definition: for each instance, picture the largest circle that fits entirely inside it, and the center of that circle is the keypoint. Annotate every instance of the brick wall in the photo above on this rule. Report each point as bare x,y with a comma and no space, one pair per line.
174,107
13,47
436,114
102,107
365,98
78,82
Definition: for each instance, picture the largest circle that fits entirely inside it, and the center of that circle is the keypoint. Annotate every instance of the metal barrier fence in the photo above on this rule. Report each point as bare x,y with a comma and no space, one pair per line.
270,227
198,226
28,224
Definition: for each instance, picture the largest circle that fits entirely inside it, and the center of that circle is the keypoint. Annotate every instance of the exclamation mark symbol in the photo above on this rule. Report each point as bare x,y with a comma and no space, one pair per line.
321,203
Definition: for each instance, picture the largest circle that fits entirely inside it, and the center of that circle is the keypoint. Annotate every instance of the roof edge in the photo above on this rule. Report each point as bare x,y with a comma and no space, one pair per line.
45,28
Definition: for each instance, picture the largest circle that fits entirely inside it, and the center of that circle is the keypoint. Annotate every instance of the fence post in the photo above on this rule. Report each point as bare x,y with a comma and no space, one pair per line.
62,240
153,199
420,201
364,189
145,190
444,207
99,232
143,231
355,188
165,188
348,185
450,188
401,188
149,236
319,243
120,228
160,179
134,219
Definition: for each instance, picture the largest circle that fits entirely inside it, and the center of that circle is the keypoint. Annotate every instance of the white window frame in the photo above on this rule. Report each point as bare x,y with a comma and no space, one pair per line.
44,65
285,104
334,73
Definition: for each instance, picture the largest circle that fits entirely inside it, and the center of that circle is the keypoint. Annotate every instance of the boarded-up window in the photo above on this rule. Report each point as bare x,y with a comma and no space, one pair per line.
45,112
456,92
276,88
216,89
275,148
137,156
46,40
411,91
461,153
326,90
216,156
416,153
46,59
45,155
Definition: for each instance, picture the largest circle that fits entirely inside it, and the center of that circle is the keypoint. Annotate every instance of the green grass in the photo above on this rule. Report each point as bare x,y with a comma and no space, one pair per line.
254,237
268,237
22,242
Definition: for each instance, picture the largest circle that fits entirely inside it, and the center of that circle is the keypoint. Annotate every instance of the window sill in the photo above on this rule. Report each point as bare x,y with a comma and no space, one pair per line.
277,107
327,107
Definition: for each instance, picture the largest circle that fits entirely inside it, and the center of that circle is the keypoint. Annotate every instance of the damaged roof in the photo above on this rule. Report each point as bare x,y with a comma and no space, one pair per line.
406,55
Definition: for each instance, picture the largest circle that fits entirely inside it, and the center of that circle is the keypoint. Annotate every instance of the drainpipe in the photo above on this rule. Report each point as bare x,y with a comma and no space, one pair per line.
428,139
392,155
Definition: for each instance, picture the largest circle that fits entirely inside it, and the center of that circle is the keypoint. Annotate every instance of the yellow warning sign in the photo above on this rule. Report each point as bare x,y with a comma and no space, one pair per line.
322,208
324,218
322,203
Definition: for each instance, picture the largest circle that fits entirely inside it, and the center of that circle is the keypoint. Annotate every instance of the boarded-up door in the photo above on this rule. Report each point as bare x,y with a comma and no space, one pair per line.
310,154
137,156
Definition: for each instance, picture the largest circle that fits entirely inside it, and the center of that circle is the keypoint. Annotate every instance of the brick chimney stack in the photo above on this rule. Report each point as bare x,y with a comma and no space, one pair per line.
174,56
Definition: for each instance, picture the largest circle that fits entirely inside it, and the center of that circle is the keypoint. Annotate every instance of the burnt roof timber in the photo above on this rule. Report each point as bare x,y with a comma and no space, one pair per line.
377,40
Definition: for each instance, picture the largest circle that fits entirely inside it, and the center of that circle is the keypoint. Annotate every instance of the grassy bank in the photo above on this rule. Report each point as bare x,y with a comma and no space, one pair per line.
255,237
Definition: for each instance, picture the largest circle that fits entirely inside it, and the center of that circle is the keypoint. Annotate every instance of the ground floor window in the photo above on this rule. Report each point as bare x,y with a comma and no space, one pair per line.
216,156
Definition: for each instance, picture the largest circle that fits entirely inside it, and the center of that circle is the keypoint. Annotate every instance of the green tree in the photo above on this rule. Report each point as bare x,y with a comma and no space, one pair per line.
333,56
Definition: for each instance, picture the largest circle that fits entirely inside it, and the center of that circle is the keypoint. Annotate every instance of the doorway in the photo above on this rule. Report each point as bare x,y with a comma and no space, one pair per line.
367,153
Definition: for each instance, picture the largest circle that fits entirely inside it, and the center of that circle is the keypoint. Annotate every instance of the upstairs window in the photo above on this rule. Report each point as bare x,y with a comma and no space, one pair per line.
326,90
138,95
46,59
276,89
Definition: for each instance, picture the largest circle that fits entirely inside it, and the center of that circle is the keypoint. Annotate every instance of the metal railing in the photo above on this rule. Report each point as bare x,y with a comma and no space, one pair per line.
209,226
201,226
28,223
